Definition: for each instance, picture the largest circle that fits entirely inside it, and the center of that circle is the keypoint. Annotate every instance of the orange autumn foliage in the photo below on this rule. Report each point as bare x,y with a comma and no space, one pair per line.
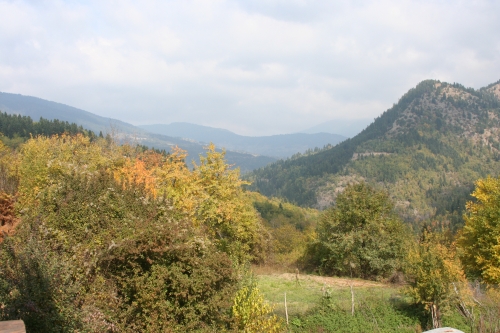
134,173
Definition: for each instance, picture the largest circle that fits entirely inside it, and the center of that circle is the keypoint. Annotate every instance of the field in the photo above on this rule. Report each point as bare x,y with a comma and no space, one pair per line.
324,304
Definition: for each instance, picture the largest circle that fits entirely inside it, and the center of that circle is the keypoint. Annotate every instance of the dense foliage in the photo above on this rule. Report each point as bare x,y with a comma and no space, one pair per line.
290,227
115,238
435,275
360,236
17,129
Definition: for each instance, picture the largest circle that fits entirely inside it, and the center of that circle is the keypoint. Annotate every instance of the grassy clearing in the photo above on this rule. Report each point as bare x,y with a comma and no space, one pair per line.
301,297
323,304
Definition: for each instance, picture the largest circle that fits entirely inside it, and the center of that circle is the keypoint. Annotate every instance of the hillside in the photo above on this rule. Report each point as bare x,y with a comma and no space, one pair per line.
426,151
36,108
280,146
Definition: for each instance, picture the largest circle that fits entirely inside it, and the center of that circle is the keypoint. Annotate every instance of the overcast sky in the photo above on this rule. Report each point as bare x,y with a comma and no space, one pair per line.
255,67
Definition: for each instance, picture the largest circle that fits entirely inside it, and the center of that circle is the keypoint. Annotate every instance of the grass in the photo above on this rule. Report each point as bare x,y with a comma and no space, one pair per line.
319,304
301,297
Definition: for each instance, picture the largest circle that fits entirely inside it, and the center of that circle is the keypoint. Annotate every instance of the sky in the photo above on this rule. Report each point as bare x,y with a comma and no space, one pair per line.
257,67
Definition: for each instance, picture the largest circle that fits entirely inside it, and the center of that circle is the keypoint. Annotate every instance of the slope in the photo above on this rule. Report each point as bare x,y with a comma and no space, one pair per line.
426,151
36,108
281,146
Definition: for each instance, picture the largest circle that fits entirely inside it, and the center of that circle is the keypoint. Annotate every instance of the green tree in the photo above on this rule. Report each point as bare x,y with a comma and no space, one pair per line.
360,235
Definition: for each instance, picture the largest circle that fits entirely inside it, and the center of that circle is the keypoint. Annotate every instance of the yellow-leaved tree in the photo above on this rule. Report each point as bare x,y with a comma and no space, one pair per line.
479,240
435,276
211,195
223,208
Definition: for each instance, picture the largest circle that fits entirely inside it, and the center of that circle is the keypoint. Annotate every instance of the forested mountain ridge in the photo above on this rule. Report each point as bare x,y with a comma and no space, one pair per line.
426,151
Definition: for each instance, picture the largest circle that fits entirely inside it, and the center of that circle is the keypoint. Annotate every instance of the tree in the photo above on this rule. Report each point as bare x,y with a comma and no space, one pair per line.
479,240
435,277
360,235
222,207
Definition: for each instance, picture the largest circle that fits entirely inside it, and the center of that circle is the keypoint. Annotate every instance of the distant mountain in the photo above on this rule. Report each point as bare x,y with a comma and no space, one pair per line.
344,127
426,152
36,107
280,146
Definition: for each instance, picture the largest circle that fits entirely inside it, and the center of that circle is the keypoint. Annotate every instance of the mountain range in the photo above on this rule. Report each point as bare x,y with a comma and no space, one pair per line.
247,153
279,146
426,152
36,107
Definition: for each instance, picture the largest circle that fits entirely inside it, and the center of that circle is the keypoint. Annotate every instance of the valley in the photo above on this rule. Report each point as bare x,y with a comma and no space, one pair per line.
249,166
376,233
279,146
247,153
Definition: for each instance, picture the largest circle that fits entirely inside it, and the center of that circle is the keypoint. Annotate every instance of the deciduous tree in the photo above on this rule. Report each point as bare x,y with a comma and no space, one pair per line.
360,235
435,276
479,241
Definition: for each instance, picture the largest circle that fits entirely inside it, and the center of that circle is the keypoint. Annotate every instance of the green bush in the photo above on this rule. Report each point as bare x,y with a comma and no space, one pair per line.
93,256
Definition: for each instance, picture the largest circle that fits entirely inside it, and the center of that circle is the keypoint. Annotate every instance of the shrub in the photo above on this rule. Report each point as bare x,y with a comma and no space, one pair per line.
95,254
252,314
435,276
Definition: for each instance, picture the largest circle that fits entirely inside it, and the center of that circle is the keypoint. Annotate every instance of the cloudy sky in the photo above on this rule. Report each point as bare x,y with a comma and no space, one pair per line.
256,67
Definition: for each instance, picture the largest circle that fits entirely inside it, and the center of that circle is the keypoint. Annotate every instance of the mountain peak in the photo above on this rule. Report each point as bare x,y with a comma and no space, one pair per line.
495,89
444,107
426,151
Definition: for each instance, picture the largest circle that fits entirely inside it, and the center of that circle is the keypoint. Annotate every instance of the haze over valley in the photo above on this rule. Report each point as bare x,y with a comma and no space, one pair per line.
280,146
247,153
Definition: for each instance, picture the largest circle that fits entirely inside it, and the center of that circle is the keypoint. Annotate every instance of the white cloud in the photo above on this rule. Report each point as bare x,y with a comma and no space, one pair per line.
258,67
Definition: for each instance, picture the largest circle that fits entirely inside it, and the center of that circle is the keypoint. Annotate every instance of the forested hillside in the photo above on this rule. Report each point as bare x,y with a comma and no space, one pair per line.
16,129
426,152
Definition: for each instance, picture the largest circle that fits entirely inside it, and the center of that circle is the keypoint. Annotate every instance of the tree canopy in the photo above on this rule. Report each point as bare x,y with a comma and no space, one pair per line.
117,238
360,235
